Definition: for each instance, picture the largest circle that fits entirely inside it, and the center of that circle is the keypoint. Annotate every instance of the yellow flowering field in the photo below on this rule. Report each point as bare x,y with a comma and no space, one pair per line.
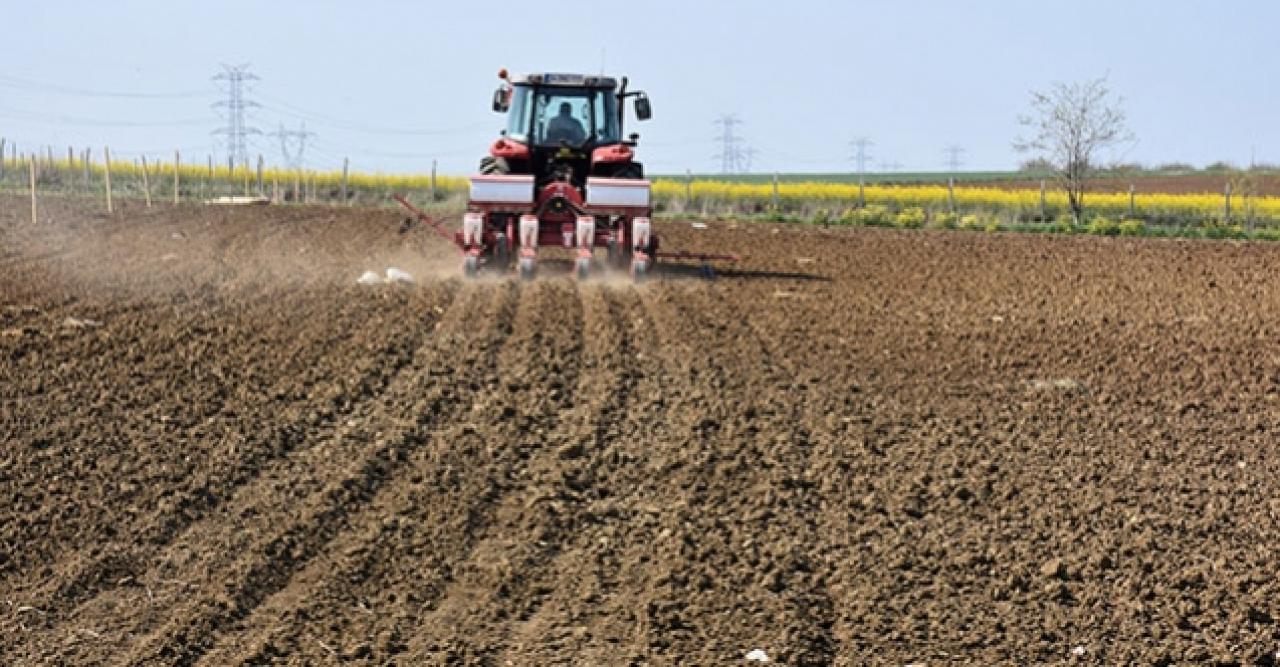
966,197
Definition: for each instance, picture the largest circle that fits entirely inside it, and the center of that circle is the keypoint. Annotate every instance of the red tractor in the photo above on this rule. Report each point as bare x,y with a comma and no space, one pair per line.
561,174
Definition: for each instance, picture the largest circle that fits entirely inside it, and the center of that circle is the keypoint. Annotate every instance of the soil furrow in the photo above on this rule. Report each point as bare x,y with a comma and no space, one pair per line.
209,481
539,527
520,526
774,599
268,517
456,355
222,404
616,438
531,373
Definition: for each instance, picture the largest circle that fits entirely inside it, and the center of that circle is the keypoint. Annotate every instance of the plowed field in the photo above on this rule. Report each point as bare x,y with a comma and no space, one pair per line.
861,446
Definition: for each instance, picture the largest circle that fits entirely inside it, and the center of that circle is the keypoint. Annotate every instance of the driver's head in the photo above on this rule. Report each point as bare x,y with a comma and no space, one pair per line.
565,109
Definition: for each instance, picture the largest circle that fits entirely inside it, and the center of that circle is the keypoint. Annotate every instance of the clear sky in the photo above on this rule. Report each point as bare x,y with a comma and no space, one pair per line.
393,85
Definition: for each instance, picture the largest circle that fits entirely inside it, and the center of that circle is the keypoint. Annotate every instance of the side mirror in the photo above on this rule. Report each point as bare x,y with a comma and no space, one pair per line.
643,110
500,100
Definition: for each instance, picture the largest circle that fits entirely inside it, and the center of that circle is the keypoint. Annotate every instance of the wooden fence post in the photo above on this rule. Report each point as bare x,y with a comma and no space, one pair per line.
34,218
260,190
433,180
951,196
297,187
275,190
207,186
2,158
1226,217
1044,203
177,167
345,165
85,162
106,152
688,188
775,192
1132,208
146,182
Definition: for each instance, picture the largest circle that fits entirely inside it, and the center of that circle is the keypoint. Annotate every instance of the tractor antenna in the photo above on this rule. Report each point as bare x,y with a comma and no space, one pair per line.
235,79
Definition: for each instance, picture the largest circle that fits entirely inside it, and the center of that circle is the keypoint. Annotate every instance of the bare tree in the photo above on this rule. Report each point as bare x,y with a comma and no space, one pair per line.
1069,126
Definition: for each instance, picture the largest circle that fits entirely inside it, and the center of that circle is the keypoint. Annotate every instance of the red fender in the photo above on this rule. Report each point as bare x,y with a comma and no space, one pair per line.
613,154
509,150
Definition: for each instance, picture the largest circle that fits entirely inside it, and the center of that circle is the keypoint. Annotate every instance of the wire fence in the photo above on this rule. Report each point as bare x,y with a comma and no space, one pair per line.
157,179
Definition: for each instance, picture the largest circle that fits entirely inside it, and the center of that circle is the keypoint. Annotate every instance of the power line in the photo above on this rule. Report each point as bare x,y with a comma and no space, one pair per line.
338,149
42,87
280,106
235,78
35,116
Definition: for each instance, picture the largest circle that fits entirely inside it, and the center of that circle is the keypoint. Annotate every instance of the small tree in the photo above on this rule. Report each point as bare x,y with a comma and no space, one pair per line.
1069,125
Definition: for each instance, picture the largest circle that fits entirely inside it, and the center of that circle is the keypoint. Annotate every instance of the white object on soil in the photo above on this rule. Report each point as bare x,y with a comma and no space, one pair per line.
1063,384
701,225
238,201
77,323
757,655
369,278
395,275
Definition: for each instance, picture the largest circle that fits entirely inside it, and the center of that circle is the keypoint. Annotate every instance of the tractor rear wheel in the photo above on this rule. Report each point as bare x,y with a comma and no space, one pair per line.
494,166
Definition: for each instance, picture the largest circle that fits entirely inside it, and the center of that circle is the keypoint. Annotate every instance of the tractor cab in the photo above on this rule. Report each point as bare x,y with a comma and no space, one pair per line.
565,127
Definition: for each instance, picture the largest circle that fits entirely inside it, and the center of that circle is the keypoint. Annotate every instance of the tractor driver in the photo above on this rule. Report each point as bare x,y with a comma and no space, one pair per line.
565,127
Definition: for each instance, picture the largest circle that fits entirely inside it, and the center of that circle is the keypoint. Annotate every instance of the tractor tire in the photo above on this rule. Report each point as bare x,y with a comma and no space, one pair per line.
526,268
613,255
639,270
501,259
494,166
